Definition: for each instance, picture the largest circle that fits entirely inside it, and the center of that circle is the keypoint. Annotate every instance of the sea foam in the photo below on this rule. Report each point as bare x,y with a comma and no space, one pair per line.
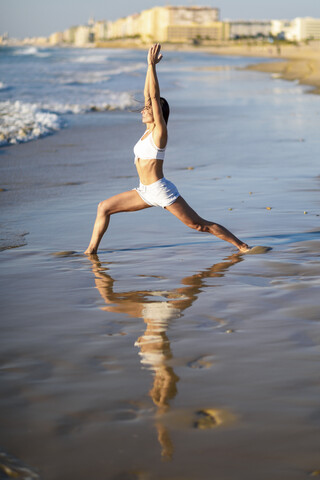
26,51
21,122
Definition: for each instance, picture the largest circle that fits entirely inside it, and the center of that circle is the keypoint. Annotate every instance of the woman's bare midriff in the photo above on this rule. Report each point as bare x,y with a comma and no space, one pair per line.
149,171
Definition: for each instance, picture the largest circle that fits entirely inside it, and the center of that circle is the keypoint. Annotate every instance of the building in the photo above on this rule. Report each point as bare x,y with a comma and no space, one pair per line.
250,28
171,24
117,29
280,28
100,30
56,38
69,35
298,29
82,35
4,38
132,25
308,28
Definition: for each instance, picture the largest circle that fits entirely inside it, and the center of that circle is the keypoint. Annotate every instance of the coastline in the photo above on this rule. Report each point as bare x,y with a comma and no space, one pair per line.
292,63
297,63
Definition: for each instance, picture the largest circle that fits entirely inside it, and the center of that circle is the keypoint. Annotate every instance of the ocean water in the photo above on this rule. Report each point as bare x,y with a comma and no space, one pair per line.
168,356
39,86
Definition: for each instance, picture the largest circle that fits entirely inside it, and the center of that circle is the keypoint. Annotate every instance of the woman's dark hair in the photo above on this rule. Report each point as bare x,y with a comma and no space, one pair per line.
165,109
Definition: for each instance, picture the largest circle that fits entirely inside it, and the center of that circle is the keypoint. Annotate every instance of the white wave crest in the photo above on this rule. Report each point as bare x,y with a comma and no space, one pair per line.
3,86
107,100
126,69
90,59
35,51
22,122
26,51
76,78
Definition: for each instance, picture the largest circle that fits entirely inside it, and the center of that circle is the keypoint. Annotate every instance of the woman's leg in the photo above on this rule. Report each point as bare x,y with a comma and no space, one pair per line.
124,202
189,217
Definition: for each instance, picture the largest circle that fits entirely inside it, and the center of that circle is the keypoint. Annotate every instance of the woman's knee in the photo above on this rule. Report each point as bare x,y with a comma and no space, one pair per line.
104,208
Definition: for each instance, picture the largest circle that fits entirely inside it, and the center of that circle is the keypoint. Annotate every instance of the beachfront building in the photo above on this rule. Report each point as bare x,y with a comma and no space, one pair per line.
133,25
69,35
171,24
4,38
280,28
249,28
38,41
56,38
183,24
100,30
117,29
299,29
82,35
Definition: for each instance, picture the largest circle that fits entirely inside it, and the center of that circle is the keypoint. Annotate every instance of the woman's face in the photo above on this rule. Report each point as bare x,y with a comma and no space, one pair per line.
147,115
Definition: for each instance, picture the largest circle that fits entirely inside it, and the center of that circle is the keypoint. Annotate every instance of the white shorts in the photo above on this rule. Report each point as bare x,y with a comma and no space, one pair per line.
161,193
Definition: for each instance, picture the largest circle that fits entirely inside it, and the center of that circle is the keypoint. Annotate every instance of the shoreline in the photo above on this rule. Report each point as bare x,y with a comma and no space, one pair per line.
292,63
299,63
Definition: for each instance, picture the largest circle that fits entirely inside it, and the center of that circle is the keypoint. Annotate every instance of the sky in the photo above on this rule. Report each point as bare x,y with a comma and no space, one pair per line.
23,18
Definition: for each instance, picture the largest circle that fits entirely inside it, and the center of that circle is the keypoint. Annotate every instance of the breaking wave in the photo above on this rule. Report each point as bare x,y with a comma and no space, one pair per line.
22,122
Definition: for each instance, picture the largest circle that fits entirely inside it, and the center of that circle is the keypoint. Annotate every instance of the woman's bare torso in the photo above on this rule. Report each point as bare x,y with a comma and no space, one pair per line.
149,171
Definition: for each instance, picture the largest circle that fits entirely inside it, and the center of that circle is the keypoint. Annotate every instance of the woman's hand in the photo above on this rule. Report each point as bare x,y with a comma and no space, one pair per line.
154,55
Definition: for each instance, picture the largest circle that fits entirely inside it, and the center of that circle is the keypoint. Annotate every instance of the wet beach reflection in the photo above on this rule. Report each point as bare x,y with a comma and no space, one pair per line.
154,345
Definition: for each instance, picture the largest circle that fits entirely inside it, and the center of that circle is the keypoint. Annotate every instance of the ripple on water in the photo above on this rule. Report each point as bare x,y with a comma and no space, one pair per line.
66,253
10,239
205,361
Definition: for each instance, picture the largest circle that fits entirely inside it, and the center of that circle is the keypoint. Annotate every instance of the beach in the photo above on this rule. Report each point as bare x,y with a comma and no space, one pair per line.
167,355
299,63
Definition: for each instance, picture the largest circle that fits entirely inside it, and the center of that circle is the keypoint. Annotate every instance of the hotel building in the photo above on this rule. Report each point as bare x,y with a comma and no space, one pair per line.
171,24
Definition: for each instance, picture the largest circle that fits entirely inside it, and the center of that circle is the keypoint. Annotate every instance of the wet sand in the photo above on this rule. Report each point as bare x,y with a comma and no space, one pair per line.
304,69
167,356
293,63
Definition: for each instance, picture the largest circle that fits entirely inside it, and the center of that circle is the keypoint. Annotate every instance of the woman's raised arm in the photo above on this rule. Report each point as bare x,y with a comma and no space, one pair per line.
154,57
150,60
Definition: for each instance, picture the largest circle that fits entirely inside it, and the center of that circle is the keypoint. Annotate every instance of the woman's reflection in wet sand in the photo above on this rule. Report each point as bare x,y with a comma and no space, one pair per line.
155,349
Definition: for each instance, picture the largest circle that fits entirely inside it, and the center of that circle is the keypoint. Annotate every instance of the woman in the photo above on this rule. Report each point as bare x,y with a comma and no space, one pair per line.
154,189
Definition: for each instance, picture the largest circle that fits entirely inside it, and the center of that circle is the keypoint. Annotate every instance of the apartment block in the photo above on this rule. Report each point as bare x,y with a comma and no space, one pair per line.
304,29
69,35
100,30
171,24
56,38
82,35
249,28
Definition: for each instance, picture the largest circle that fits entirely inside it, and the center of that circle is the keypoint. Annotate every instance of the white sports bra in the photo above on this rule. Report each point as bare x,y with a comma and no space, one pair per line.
146,149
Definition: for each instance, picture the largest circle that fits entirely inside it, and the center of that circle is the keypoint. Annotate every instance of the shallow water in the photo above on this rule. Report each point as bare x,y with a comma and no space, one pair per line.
167,356
111,364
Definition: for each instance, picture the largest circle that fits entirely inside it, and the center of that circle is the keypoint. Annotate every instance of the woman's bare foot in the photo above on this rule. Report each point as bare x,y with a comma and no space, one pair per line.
256,250
90,251
244,248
